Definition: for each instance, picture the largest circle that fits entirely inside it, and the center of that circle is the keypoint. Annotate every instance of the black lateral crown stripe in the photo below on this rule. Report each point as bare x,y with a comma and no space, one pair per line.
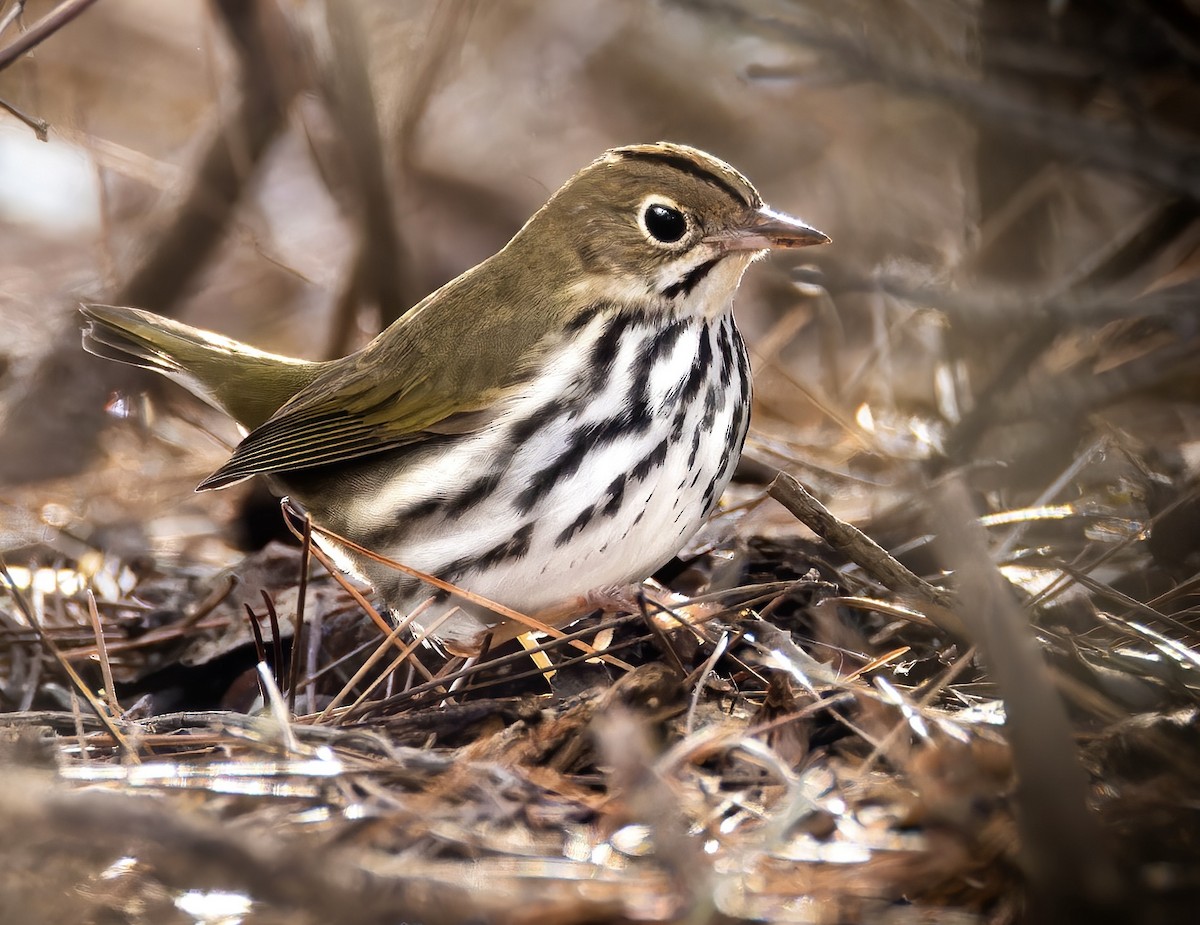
692,168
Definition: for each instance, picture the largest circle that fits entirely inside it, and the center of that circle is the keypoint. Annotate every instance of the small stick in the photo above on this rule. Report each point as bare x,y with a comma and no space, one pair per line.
259,648
41,128
12,15
862,550
42,30
277,667
110,691
298,620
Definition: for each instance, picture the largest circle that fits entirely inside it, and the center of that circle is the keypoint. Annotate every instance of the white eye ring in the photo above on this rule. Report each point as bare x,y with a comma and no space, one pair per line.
663,222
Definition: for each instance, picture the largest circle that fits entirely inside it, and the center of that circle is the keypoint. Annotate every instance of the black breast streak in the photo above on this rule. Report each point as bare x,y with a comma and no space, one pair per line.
743,406
664,340
514,548
422,509
692,389
695,380
711,403
706,423
636,417
678,423
709,492
739,422
743,362
576,526
695,450
656,457
660,346
605,351
725,351
475,493
521,431
739,425
615,495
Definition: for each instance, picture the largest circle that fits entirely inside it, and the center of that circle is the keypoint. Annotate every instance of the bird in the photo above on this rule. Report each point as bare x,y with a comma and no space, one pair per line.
557,421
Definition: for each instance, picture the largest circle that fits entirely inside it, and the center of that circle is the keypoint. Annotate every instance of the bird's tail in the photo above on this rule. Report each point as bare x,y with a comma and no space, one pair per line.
248,384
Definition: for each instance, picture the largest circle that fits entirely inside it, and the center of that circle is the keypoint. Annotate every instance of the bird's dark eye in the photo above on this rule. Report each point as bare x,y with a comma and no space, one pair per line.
665,223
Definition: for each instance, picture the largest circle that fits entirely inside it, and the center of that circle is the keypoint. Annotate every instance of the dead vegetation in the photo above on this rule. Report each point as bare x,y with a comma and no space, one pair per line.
976,704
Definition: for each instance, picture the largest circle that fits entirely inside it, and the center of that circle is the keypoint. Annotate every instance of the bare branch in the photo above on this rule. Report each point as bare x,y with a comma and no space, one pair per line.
42,30
41,127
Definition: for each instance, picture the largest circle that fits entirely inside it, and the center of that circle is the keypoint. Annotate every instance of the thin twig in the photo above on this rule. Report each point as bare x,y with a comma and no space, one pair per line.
42,30
110,691
260,649
702,679
274,702
861,549
298,619
12,15
277,666
41,128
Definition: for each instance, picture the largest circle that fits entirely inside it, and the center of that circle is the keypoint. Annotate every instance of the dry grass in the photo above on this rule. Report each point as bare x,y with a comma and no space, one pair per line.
991,375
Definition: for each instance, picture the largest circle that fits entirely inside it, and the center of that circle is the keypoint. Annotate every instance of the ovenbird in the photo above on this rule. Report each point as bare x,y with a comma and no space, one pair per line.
560,418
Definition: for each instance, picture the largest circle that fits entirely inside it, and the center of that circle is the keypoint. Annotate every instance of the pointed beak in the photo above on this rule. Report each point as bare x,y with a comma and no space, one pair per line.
767,228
